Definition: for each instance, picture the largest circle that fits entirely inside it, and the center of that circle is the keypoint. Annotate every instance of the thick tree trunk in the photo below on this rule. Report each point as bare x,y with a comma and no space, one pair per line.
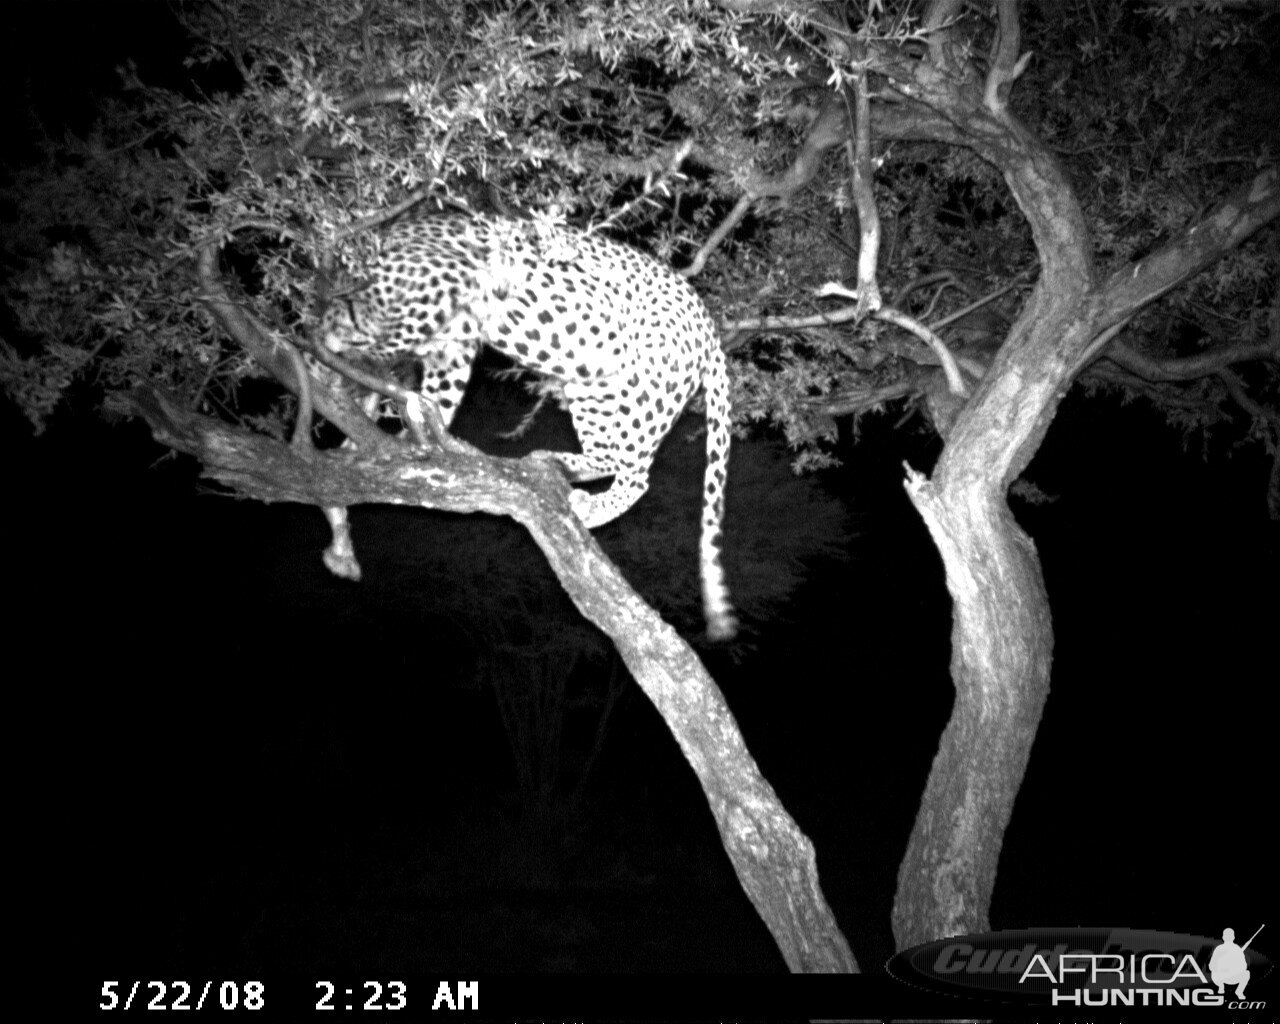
1002,651
1002,647
1002,635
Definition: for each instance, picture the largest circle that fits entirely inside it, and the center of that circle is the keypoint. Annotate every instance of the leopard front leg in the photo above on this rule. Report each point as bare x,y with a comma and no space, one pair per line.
340,556
446,369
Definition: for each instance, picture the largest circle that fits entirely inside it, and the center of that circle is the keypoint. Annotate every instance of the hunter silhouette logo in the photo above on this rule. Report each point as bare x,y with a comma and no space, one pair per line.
1088,968
1227,966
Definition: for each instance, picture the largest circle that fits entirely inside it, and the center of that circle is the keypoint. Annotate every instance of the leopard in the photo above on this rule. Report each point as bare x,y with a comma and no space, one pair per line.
619,336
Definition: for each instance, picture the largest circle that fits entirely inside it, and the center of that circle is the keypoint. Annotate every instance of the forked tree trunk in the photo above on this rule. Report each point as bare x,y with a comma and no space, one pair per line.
1002,636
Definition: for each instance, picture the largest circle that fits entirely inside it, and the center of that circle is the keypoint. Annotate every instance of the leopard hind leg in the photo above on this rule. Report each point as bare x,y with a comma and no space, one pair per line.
618,439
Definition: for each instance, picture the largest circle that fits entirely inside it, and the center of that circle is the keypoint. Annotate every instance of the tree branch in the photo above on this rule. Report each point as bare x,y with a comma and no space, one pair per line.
1006,66
826,132
256,340
859,147
775,862
1235,219
1188,367
955,383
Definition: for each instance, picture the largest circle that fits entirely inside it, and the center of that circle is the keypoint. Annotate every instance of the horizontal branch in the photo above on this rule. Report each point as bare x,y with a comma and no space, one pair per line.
1162,397
844,401
262,467
1202,364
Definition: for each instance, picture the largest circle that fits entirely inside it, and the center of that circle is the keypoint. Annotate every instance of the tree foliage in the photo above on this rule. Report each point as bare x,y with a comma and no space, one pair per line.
281,143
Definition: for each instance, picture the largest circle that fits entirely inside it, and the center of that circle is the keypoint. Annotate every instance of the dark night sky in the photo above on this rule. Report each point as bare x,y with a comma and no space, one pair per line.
196,672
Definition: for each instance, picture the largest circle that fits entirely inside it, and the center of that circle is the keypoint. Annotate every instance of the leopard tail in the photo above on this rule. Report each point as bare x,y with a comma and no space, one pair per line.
722,624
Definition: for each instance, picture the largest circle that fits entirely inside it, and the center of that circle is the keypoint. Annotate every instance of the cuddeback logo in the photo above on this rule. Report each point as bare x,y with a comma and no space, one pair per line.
1079,967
